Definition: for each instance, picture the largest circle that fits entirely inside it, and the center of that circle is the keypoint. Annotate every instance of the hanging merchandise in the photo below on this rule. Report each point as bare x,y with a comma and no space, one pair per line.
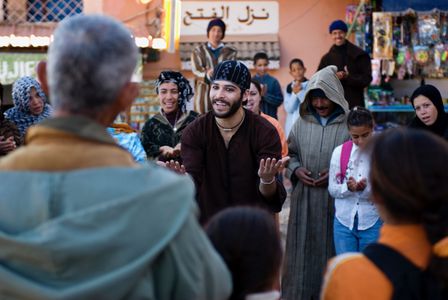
382,35
368,36
397,32
358,24
421,54
410,31
401,56
439,50
376,72
409,62
428,28
444,27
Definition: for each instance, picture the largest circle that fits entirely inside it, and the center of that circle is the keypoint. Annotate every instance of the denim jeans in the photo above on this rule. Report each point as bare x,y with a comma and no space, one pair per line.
346,240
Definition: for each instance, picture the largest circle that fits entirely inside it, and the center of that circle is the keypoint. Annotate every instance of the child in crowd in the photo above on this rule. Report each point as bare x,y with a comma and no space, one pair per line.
30,104
410,261
9,136
356,222
249,243
272,92
295,92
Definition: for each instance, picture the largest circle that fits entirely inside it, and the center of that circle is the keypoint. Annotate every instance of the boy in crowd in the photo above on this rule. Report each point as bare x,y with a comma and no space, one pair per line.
272,92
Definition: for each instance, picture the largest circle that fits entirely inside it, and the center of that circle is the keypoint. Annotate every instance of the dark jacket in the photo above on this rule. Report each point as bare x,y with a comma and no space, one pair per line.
359,70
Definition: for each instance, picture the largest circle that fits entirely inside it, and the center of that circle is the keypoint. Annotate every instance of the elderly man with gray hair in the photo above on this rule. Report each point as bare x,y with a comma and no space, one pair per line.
79,219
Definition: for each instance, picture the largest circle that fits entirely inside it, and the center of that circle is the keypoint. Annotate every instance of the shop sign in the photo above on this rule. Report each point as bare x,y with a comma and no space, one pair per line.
16,65
241,18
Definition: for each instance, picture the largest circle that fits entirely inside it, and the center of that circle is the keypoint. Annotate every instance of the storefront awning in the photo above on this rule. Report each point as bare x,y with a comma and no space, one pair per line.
40,35
247,47
418,5
26,34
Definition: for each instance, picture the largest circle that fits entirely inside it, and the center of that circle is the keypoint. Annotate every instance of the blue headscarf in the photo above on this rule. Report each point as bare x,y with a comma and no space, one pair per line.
20,114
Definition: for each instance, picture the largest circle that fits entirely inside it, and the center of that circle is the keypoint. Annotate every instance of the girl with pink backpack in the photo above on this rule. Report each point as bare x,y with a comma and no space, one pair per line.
356,222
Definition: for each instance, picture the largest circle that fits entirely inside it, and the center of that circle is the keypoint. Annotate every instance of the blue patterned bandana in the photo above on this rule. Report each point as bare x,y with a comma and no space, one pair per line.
233,71
20,114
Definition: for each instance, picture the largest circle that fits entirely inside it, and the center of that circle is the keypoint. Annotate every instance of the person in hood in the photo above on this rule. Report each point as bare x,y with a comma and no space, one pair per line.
313,137
79,218
430,113
353,63
30,104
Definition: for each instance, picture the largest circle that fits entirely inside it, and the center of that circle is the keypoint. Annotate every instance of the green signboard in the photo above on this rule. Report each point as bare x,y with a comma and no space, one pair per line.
16,65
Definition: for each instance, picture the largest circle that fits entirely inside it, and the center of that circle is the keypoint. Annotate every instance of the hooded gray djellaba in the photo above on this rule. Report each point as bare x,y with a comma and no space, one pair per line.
326,80
311,145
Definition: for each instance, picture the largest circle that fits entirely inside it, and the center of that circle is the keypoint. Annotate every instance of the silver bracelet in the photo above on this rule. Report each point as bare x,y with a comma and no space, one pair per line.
267,183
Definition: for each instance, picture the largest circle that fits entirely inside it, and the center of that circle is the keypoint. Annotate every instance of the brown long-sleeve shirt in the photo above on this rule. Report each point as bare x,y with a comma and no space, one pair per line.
228,176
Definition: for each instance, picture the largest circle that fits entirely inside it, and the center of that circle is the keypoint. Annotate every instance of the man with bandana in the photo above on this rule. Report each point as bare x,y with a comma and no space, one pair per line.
232,154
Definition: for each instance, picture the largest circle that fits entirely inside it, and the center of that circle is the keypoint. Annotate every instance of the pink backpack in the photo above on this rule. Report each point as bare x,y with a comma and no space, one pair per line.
345,157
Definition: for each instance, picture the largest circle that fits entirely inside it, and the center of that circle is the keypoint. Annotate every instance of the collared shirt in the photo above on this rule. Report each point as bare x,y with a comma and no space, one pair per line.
348,203
216,51
80,126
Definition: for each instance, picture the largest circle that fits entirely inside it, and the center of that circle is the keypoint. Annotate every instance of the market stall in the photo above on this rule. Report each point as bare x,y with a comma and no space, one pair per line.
408,43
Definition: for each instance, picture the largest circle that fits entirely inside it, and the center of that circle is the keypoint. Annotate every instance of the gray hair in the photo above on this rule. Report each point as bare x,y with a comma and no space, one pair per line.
89,62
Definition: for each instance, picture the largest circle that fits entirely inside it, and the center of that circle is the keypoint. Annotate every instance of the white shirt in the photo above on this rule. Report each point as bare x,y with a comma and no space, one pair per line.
348,203
292,104
270,295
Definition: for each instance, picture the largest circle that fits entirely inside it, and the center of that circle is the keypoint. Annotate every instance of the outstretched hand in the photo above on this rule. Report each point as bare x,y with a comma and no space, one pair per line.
169,152
173,166
270,167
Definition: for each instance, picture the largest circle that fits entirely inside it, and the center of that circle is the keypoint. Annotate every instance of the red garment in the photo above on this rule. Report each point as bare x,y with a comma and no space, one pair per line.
228,176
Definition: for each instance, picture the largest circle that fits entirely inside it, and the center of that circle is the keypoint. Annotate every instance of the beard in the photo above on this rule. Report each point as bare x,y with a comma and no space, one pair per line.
232,110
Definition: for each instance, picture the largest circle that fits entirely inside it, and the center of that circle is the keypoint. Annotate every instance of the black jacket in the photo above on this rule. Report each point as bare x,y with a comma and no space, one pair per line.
359,70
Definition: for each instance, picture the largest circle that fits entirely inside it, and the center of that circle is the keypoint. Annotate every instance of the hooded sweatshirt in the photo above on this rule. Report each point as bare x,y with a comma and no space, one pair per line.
62,237
311,144
327,81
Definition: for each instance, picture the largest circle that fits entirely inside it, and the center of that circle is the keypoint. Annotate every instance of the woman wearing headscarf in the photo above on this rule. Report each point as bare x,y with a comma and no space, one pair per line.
429,110
161,134
30,105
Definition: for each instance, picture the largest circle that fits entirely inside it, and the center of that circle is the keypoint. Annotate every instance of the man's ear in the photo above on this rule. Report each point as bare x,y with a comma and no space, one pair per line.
41,69
245,94
127,95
